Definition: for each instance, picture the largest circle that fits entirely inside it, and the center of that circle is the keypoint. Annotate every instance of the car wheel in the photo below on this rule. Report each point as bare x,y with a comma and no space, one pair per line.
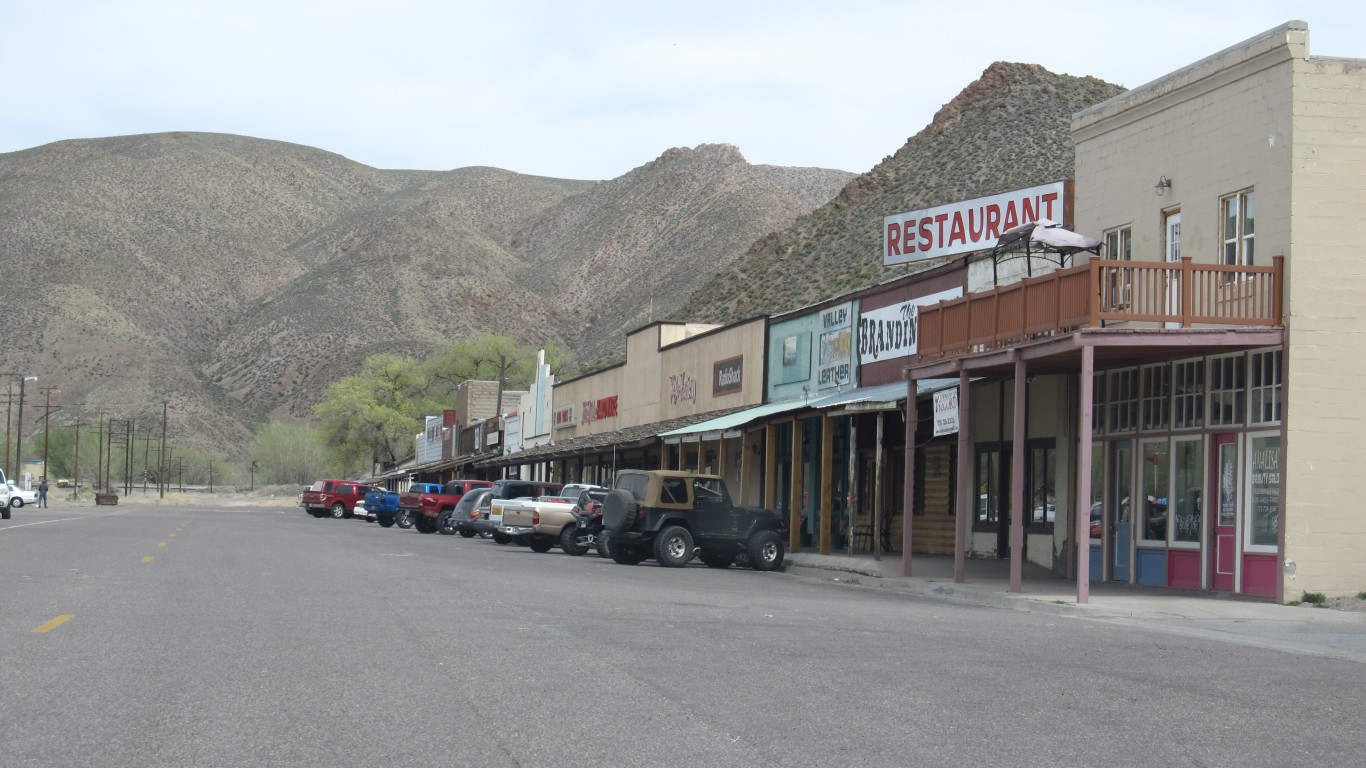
540,543
618,510
766,551
673,546
387,521
444,525
502,538
627,554
338,511
602,545
465,533
404,519
425,525
713,560
569,541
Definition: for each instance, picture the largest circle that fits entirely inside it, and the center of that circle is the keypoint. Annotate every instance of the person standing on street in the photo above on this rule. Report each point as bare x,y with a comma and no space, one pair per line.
42,493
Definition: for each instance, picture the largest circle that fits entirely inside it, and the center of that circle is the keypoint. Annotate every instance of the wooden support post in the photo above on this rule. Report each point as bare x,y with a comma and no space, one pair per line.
908,490
795,494
966,501
827,479
1017,478
1082,533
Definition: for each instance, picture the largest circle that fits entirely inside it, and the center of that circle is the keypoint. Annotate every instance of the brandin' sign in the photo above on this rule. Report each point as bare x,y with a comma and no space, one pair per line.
894,331
727,376
970,225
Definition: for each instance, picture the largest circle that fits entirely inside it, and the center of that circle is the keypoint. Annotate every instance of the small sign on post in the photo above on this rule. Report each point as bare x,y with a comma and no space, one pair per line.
946,411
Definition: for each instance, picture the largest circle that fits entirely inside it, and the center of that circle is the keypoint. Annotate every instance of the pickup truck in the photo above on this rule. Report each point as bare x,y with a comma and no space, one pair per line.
410,503
509,488
431,504
553,524
382,506
335,498
672,516
4,496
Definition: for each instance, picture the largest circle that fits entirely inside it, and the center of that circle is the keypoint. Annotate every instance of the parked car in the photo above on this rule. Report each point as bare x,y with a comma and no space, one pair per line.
464,519
4,497
18,497
671,516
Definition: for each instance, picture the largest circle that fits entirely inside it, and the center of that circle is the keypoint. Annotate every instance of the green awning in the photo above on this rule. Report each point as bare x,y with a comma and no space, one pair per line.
713,429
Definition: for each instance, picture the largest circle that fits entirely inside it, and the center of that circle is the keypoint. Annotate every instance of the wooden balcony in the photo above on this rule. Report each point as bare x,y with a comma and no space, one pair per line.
1099,293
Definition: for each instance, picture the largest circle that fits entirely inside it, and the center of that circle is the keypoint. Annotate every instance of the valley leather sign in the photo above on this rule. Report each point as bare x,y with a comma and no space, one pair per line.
894,331
970,225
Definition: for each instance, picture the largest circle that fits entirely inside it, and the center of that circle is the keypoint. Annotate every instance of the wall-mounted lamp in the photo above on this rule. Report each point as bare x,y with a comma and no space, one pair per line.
1163,184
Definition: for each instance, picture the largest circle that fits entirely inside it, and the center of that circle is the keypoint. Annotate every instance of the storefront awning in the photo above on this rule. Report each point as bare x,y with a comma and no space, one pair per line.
880,397
713,429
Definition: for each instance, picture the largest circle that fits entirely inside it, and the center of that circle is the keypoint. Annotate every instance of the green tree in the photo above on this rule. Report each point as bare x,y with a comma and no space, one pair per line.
290,454
371,416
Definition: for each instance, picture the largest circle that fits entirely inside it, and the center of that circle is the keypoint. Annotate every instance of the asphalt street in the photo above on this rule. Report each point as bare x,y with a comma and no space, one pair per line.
158,636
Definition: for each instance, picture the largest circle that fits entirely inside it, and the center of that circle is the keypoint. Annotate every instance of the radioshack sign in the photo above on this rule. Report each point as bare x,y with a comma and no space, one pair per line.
970,225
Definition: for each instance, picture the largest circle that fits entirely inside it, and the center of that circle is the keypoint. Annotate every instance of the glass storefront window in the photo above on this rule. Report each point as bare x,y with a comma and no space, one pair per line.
1155,481
1189,483
1264,478
1097,489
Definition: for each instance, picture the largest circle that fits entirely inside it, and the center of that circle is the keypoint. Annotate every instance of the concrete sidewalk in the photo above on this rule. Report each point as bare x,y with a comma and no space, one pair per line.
988,583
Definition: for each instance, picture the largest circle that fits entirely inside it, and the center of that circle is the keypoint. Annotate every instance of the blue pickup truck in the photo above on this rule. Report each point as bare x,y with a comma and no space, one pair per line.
384,506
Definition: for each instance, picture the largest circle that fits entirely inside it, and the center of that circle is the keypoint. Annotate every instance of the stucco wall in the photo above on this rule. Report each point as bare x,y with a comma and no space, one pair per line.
1325,531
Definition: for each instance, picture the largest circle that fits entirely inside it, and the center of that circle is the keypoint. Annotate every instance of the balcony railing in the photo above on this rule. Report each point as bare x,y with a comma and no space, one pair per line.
1100,292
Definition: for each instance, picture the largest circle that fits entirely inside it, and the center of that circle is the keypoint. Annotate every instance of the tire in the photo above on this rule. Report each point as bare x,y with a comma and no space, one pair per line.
603,545
569,541
502,538
404,519
386,521
540,543
673,546
765,551
16,503
713,560
618,510
627,554
424,524
466,534
338,511
444,524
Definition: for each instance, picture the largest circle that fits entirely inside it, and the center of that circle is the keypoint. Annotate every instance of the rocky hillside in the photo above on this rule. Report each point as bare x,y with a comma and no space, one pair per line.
234,278
1008,130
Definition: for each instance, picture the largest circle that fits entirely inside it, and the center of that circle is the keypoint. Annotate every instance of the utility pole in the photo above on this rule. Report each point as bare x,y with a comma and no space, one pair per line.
76,468
9,405
48,407
162,465
19,427
210,475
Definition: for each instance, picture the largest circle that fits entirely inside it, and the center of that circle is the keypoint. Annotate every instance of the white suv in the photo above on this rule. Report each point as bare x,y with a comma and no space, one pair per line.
4,496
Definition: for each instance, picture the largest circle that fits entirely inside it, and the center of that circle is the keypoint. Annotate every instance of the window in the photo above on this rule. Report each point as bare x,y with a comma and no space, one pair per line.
1119,244
1239,216
1227,379
1097,403
1264,480
1189,482
1122,400
1156,480
1043,473
1119,247
1156,407
1188,398
1264,382
990,484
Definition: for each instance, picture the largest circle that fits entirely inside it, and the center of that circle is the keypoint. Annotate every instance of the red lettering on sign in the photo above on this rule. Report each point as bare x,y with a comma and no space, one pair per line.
894,238
956,232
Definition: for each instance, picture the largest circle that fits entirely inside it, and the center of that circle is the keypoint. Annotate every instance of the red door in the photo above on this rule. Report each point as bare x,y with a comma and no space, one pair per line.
1224,514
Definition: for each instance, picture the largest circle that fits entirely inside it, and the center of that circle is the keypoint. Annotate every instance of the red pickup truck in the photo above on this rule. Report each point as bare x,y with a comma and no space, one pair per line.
332,497
427,506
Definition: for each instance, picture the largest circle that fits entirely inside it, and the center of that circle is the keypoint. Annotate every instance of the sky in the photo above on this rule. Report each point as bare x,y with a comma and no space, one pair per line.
588,89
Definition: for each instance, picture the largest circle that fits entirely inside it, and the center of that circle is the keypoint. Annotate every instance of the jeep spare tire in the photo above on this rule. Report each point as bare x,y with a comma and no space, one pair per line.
619,510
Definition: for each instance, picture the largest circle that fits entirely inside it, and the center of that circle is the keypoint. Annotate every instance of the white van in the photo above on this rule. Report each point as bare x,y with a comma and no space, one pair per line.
4,496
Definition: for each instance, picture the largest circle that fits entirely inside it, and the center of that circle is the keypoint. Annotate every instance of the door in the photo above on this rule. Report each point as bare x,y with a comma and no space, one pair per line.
1224,516
1121,511
1173,247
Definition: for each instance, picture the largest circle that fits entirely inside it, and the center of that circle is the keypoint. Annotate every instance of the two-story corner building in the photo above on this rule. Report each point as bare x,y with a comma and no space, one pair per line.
1199,380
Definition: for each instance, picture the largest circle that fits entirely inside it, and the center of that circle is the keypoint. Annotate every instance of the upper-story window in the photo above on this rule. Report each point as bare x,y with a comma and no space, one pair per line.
1239,216
1119,244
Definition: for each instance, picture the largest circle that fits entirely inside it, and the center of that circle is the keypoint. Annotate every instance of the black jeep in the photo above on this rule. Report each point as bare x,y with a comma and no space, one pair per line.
670,515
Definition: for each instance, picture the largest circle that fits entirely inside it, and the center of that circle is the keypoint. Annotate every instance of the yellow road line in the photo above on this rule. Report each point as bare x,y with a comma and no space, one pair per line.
57,622
173,535
147,559
161,544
